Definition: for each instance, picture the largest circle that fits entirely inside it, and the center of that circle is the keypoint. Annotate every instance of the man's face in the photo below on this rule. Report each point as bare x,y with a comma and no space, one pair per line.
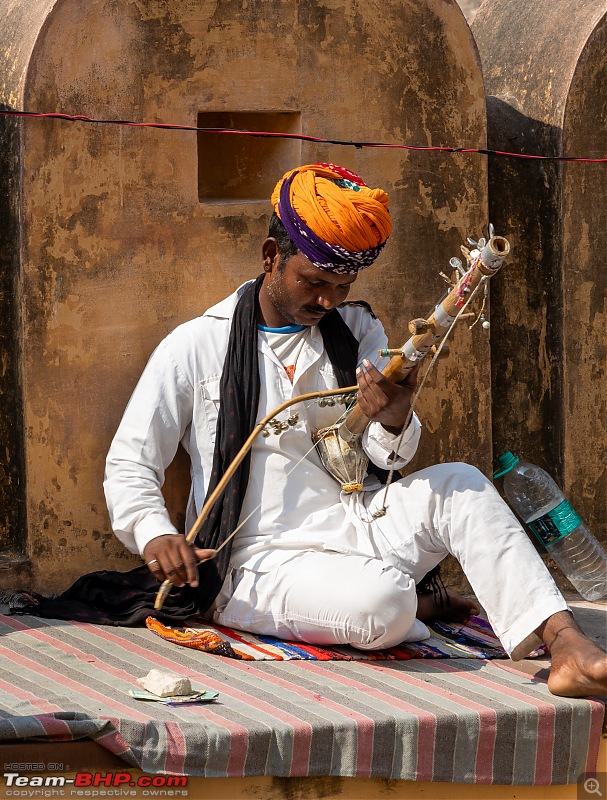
300,293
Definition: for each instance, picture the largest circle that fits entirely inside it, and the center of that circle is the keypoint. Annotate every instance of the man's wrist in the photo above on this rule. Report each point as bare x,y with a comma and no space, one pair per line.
150,528
392,430
387,439
396,430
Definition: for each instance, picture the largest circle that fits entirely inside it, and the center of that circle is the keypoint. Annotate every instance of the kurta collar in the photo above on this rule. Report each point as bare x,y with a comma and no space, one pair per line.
311,353
225,308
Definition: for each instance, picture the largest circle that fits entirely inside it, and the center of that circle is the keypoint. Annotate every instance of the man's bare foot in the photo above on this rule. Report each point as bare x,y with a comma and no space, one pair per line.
458,609
579,667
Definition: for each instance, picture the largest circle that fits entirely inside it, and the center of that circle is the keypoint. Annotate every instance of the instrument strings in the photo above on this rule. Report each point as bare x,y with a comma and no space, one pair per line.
381,511
293,468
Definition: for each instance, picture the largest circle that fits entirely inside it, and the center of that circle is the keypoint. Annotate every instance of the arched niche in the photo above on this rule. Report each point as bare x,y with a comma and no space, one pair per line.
123,233
544,79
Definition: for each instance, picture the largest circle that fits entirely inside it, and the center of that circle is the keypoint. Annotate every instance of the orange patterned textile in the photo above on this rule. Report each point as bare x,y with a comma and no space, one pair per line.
474,639
205,639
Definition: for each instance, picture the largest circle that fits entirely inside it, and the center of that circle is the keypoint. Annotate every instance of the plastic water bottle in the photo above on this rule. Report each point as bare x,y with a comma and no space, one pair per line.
542,506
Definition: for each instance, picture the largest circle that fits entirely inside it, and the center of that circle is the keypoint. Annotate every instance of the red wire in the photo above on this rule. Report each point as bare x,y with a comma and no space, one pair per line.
298,136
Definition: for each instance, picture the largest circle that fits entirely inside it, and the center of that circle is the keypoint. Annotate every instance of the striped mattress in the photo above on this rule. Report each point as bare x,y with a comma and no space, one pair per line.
458,720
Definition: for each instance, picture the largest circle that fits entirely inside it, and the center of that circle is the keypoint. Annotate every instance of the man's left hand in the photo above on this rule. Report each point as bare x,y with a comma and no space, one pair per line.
384,401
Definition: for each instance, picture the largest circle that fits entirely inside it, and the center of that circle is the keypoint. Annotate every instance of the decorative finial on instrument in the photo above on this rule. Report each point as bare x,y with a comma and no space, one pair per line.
456,263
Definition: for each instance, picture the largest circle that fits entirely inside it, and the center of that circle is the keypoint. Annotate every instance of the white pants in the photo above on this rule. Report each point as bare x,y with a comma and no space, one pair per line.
326,597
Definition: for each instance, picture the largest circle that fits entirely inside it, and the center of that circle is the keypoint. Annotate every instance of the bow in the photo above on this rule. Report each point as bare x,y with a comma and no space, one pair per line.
165,587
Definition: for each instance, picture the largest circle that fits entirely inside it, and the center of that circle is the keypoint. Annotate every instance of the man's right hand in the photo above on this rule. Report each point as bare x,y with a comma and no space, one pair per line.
170,557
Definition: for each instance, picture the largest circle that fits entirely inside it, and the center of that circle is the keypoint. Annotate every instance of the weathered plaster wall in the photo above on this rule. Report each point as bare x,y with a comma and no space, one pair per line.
19,30
117,249
544,77
12,489
585,284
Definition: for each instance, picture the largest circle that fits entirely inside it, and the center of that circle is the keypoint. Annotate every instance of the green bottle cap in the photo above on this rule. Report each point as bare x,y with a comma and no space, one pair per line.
507,462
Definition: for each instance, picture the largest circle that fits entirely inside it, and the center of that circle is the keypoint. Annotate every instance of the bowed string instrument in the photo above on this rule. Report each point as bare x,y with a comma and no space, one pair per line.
339,445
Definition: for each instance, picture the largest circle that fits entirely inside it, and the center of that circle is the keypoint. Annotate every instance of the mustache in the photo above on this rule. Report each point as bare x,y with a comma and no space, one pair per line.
314,310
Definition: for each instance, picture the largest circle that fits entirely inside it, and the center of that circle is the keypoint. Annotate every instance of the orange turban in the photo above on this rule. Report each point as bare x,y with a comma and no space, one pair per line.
332,216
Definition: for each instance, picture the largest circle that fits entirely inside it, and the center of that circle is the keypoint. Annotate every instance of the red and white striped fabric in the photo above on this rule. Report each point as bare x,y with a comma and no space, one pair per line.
458,720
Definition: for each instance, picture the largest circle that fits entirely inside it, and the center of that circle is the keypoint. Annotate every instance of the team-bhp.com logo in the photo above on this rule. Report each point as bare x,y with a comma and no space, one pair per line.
94,784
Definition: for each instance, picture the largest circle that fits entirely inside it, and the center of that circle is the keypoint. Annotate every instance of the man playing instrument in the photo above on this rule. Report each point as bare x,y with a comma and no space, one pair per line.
309,561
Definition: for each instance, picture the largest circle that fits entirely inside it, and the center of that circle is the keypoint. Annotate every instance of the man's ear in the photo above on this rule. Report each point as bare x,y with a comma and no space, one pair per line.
270,254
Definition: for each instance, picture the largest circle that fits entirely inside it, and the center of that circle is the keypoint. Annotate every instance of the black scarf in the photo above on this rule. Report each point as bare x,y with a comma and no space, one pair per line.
127,598
239,392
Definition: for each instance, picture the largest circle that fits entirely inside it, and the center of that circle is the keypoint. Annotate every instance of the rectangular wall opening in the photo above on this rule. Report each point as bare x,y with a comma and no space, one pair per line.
233,168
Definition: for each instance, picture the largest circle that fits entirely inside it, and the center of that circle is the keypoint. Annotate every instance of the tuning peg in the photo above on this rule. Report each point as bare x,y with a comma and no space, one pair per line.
491,231
481,243
444,350
457,264
471,241
418,326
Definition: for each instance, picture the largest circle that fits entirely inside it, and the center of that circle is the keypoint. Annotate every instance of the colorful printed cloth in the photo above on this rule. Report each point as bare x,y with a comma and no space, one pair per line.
475,639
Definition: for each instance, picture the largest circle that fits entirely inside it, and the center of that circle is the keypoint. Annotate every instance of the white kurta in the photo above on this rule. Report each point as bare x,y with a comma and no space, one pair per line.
290,509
